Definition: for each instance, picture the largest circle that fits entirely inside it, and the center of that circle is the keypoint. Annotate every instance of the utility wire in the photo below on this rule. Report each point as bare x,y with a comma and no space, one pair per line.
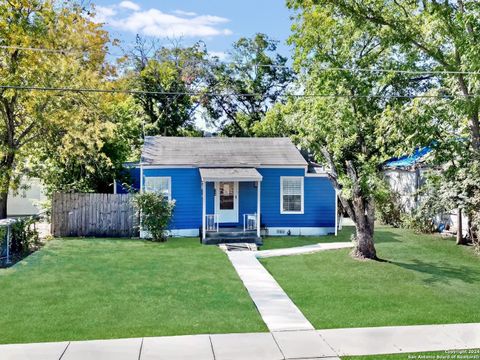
212,94
410,72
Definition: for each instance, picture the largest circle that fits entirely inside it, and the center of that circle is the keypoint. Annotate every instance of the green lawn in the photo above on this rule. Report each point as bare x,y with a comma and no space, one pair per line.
79,289
280,242
445,355
427,280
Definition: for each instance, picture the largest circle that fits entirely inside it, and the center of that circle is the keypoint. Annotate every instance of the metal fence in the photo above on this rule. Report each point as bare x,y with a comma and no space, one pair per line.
6,240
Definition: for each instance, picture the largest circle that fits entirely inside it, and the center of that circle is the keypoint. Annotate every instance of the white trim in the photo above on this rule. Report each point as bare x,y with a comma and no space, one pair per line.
259,183
281,196
204,208
153,167
282,166
256,166
336,212
141,178
300,231
231,179
169,178
144,234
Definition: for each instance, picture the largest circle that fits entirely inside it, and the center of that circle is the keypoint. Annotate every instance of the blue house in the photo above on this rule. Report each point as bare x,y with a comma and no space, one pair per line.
238,188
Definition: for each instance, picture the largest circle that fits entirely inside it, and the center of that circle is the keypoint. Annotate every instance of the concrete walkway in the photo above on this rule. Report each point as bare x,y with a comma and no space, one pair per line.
307,249
320,344
277,310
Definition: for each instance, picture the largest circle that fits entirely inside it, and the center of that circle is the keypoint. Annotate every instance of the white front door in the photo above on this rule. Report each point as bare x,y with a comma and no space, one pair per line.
226,201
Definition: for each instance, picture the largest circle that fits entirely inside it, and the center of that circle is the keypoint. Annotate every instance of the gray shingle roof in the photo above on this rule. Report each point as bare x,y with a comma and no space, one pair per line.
220,152
222,174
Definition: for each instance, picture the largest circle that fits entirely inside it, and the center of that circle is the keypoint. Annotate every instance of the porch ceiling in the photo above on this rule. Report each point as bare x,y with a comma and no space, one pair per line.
230,174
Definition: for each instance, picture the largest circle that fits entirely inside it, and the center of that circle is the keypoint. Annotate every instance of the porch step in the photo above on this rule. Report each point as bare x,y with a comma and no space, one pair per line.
231,234
233,240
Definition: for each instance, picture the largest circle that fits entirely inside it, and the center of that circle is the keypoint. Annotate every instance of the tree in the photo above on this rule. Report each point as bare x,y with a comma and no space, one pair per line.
338,118
30,118
177,73
254,79
91,156
446,34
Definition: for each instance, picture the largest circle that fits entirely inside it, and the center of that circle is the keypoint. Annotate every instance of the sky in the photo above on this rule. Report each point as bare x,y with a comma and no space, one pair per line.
218,23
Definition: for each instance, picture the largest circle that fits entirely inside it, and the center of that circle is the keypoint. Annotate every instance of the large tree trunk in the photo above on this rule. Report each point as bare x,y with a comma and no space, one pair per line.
6,167
364,229
3,205
460,239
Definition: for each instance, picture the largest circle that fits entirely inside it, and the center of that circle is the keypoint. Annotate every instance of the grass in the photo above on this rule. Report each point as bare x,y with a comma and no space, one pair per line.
277,242
427,280
77,289
446,355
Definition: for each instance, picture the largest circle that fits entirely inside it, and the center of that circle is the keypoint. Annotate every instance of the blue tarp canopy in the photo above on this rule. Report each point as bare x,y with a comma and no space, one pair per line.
408,160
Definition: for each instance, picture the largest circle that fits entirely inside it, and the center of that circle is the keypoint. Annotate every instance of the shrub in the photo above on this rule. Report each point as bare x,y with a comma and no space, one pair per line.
24,239
155,214
390,210
419,222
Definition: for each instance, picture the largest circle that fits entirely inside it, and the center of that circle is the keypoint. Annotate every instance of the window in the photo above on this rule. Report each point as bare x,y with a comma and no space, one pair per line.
291,195
227,195
160,185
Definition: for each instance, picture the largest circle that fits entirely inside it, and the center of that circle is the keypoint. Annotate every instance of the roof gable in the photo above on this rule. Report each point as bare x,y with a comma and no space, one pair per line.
220,152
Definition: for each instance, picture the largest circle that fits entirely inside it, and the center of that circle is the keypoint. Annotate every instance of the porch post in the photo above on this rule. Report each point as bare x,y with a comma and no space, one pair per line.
258,208
204,209
141,178
336,212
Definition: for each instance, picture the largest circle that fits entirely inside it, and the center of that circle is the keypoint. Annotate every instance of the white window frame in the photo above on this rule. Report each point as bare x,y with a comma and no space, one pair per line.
301,178
169,182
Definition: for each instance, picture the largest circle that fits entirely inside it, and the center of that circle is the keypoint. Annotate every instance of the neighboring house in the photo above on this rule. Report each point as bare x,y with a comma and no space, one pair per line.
406,175
224,188
26,202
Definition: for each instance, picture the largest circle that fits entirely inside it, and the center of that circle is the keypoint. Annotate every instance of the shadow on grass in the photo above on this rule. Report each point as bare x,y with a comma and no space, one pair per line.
385,236
441,273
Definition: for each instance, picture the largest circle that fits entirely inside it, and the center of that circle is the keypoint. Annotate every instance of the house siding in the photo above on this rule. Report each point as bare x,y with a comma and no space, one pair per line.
319,199
187,192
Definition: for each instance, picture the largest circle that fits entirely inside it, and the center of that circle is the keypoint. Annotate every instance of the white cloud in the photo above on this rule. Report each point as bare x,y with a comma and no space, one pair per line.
222,56
129,5
103,13
185,13
154,22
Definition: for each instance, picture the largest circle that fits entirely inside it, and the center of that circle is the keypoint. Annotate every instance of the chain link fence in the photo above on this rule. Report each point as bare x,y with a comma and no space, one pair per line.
18,238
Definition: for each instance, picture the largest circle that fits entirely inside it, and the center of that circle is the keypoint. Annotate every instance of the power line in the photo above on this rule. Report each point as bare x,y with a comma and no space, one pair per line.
61,51
212,94
410,72
350,69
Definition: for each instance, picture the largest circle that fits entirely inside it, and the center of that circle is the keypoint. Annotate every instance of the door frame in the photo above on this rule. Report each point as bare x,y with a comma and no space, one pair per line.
236,193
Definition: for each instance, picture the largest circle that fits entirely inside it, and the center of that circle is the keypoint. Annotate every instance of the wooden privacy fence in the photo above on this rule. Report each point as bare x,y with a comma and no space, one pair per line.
101,215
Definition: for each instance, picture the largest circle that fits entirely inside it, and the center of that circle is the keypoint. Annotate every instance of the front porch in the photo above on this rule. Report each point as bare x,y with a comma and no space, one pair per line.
230,205
232,235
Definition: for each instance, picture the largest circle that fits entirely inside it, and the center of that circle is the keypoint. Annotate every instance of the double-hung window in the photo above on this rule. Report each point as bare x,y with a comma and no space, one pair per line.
291,195
159,184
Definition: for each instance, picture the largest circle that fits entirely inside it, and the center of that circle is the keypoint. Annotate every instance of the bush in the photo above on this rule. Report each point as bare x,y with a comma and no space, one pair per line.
155,214
24,239
390,210
24,236
419,222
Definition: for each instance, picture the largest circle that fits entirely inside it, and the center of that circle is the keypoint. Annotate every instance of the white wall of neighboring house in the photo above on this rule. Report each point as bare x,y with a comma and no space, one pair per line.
26,202
406,183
